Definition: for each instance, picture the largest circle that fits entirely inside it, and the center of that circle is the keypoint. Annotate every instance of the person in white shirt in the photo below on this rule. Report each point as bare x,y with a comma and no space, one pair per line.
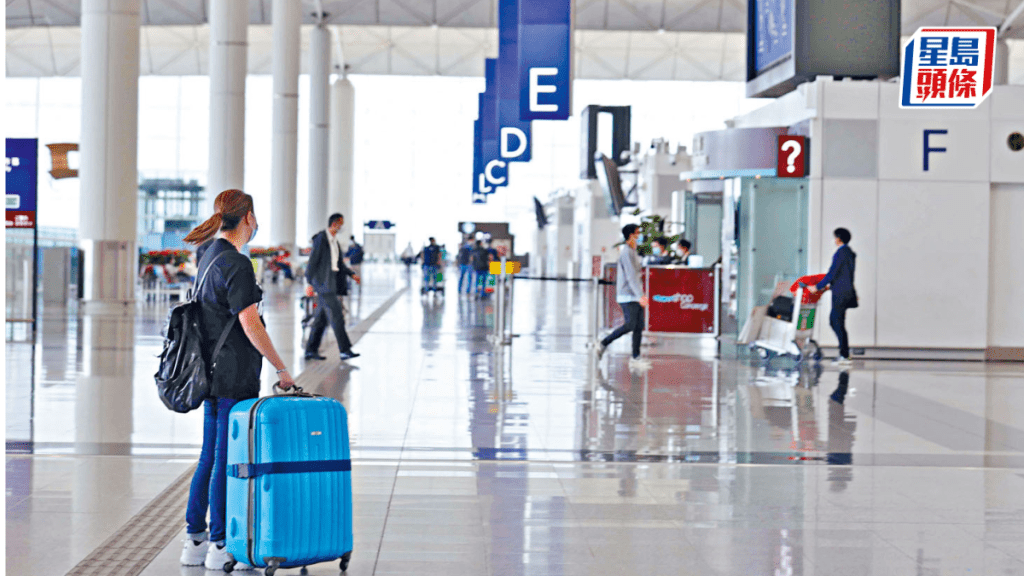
322,272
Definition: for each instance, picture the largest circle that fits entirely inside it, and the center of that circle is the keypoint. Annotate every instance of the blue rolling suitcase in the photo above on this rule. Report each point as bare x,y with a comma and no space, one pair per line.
289,494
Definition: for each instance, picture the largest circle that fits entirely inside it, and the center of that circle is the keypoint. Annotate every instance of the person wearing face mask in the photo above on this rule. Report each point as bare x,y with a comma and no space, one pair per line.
325,266
231,300
659,252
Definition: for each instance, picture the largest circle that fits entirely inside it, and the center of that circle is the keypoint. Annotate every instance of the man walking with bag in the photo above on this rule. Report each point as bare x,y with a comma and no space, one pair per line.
322,271
844,296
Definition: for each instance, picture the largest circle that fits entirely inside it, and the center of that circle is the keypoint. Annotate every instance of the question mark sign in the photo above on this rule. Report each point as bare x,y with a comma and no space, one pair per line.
794,147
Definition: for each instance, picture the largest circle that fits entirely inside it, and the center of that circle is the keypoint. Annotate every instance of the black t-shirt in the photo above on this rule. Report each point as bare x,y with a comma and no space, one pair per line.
230,288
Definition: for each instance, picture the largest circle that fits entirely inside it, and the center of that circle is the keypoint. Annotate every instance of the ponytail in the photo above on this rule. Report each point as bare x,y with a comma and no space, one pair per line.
230,207
202,233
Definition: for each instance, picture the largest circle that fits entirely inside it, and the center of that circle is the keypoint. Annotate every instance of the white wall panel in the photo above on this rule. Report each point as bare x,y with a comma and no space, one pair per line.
901,150
933,254
889,107
850,100
1006,267
1007,165
1008,102
851,204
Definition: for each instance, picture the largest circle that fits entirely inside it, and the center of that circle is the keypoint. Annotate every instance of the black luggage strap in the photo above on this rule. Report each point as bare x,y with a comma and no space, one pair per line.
245,471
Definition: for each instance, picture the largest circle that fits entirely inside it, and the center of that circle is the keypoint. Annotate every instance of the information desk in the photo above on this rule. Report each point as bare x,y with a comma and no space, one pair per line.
682,300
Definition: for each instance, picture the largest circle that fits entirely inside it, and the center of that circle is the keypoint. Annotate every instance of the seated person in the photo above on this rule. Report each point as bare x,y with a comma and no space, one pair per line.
659,252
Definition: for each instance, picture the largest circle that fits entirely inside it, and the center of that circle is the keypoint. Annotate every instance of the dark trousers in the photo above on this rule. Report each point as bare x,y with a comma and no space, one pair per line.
634,323
838,321
210,480
481,282
328,309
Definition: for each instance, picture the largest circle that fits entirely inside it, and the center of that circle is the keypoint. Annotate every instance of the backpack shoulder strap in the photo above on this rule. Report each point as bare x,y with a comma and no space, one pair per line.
202,279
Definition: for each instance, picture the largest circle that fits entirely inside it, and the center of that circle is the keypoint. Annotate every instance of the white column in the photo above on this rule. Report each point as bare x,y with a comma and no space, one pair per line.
319,76
109,157
229,25
342,146
287,16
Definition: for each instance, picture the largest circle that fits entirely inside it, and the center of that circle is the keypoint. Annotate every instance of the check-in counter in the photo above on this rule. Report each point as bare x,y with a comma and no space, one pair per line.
682,300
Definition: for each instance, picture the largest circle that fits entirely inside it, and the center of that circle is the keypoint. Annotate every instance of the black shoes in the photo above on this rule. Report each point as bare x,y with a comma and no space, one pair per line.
349,355
314,356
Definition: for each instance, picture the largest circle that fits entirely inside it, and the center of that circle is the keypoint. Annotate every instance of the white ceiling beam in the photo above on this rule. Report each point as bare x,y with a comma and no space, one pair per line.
1008,23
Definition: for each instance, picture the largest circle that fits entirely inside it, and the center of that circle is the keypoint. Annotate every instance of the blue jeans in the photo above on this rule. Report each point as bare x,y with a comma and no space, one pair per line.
466,275
481,281
210,481
430,276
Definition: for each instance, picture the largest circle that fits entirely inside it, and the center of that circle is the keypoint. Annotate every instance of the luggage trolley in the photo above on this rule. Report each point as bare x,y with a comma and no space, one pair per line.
791,338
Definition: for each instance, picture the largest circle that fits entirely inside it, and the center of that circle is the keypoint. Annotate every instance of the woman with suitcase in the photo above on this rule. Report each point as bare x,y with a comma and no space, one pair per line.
231,300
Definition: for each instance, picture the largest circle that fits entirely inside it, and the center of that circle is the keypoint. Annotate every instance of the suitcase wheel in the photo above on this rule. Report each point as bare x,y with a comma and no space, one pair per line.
230,566
345,560
272,567
304,571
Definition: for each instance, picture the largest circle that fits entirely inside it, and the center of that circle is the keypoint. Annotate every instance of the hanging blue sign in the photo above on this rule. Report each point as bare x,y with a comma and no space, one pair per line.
513,134
545,59
493,169
22,177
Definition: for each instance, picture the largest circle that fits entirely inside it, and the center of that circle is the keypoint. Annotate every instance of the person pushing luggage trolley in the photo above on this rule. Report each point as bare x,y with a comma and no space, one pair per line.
844,296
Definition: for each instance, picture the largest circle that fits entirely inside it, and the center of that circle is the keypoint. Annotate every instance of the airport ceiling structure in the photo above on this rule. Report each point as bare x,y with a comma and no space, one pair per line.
699,40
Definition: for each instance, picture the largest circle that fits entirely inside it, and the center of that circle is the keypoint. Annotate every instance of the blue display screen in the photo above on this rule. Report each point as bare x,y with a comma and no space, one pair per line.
773,32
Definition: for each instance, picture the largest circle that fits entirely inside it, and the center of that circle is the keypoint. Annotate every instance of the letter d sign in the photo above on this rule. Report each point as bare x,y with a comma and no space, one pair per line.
545,59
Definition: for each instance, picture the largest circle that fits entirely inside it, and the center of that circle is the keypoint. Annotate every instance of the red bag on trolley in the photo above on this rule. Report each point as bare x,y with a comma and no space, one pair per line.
808,297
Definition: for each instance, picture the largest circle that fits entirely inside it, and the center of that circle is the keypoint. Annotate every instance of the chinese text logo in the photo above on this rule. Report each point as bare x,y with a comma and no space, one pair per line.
947,68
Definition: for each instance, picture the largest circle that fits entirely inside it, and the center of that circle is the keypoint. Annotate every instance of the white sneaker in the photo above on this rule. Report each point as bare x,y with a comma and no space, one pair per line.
842,361
218,556
639,364
600,348
192,553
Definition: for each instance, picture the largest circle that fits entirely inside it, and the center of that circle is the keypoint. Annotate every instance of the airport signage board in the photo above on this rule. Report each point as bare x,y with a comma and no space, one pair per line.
22,181
790,42
773,32
545,59
682,300
514,133
493,170
792,157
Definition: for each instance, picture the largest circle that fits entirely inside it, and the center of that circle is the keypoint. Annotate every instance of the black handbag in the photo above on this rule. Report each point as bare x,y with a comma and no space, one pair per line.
183,380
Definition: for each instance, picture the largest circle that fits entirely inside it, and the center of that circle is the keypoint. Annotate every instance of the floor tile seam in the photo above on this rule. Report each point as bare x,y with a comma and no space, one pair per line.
401,452
167,506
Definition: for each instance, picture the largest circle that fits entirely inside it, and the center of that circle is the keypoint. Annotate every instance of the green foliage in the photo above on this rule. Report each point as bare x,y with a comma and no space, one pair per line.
652,227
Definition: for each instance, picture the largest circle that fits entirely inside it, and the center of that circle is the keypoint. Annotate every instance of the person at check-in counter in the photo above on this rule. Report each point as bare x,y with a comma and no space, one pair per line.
660,252
684,252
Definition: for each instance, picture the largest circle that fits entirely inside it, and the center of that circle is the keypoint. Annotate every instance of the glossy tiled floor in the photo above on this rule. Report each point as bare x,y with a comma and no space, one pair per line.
536,459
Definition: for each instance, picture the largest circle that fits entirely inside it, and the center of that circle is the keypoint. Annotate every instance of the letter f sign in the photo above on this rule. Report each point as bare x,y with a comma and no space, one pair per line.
927,145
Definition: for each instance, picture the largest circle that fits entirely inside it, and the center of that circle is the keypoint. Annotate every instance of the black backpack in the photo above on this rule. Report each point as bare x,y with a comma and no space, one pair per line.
183,379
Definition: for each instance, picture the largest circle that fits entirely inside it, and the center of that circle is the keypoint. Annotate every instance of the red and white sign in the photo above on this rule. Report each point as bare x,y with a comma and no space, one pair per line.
948,68
595,269
21,219
682,301
792,152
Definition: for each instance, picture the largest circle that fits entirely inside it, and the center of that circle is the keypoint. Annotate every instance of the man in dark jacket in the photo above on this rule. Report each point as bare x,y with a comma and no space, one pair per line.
844,296
325,265
481,265
465,265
